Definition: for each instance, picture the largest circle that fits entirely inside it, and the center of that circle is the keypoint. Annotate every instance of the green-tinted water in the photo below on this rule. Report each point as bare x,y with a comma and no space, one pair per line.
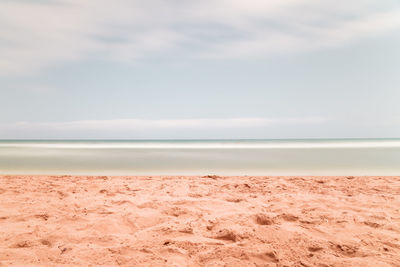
198,157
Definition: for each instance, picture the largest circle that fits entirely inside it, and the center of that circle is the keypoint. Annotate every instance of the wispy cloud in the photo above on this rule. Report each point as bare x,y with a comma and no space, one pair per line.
40,34
132,124
133,127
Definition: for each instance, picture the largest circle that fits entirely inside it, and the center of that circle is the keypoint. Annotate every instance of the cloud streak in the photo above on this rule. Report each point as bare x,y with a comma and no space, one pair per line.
137,127
39,34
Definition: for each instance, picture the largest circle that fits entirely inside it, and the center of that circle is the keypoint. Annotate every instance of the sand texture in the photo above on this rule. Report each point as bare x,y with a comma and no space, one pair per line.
199,221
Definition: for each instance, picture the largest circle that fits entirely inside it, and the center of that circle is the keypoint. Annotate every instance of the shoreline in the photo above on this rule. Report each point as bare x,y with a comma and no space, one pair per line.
200,220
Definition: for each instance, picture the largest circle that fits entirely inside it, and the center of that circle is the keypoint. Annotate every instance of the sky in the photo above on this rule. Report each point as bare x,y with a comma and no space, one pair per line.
173,69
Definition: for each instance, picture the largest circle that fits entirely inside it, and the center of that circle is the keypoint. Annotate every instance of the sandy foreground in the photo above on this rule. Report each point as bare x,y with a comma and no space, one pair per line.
199,221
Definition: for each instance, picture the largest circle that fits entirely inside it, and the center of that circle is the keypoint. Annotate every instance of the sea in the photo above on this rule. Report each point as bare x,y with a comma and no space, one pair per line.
201,157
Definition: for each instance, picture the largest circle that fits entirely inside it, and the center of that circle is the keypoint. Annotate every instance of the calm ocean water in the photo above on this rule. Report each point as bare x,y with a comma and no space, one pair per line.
200,157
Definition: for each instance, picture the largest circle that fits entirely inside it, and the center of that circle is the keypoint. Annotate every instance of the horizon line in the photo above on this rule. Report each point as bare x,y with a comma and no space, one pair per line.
197,139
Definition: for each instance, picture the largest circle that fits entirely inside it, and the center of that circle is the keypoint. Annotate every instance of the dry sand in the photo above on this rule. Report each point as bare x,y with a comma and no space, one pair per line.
199,221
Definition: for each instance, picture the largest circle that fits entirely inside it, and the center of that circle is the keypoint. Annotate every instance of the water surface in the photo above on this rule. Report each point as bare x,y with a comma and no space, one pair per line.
199,157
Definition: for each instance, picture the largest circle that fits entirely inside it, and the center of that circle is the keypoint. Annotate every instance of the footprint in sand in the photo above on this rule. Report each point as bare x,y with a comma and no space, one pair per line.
106,192
315,248
42,216
63,249
269,256
263,219
46,242
22,244
346,250
175,256
121,202
372,224
289,217
226,234
176,211
234,200
186,230
62,194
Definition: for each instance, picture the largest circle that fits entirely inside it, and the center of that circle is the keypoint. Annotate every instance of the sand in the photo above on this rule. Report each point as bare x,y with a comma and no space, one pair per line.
199,221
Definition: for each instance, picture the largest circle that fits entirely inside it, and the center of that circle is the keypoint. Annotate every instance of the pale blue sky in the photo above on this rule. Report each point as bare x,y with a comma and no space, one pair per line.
199,69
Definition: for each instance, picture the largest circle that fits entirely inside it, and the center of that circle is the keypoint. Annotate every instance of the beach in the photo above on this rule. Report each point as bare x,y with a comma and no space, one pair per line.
199,220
